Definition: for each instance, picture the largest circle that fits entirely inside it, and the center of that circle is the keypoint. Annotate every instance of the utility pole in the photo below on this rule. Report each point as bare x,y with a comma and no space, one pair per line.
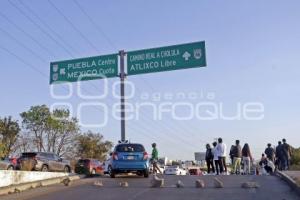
122,91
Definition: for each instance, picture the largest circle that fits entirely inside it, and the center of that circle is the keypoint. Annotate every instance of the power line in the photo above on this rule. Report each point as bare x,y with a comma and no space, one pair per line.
21,44
23,61
39,27
46,25
73,26
100,30
27,34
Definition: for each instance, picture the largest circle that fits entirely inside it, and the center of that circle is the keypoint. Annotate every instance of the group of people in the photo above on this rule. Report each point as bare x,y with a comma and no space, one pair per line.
280,156
241,158
216,157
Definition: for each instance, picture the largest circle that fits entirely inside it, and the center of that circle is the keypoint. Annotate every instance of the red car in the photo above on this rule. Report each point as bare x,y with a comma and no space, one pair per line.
195,171
89,167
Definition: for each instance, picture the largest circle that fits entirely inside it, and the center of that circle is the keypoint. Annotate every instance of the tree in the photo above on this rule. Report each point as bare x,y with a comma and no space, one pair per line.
50,131
35,122
93,145
295,159
9,130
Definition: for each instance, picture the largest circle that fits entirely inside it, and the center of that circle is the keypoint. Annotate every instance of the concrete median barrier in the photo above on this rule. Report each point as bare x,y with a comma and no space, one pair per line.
289,180
17,181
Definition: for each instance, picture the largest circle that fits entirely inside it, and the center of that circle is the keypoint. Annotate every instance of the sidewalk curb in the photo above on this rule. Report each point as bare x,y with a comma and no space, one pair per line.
30,185
289,181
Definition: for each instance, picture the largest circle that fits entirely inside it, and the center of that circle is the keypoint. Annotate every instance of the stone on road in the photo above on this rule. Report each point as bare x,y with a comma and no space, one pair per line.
271,188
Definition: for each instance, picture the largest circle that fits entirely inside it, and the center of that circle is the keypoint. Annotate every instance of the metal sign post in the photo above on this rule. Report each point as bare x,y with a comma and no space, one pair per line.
122,91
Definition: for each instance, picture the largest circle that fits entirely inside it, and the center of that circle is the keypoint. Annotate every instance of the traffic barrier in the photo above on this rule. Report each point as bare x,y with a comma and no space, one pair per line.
292,183
17,188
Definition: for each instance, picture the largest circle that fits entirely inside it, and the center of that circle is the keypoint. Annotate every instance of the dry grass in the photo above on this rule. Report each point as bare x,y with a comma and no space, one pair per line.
295,168
297,180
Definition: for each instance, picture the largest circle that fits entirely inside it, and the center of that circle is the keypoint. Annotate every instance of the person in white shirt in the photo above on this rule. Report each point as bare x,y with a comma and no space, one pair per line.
222,150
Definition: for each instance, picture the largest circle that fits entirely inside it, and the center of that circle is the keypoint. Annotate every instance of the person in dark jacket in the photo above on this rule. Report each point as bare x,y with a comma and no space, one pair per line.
279,156
270,153
237,157
209,157
287,153
231,153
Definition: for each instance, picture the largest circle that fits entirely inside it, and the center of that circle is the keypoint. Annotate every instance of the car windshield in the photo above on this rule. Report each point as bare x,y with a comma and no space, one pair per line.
28,155
130,148
83,161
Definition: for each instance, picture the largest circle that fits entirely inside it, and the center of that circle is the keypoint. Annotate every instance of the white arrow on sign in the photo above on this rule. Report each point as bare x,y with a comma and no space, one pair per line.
62,71
186,56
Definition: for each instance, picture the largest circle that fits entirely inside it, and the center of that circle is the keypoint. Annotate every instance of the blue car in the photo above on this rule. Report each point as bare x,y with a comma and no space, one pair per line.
127,158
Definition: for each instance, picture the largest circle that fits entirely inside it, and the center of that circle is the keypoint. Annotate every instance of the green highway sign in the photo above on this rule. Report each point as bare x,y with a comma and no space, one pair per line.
167,58
82,69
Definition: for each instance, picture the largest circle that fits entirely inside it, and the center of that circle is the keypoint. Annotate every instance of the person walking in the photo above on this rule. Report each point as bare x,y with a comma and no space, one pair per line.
154,159
279,156
221,148
209,157
247,158
287,153
237,157
216,159
270,152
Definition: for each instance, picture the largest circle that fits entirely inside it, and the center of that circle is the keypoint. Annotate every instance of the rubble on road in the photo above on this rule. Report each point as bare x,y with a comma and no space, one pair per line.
250,185
200,183
124,184
218,183
179,184
157,182
98,183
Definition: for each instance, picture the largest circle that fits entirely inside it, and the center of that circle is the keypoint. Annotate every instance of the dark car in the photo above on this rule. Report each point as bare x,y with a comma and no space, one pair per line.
89,167
43,161
6,164
127,158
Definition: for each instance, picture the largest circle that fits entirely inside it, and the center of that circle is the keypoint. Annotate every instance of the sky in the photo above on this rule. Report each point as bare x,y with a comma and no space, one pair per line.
252,53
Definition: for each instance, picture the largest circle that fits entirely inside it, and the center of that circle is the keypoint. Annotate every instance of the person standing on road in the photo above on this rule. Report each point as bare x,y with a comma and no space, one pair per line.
287,153
231,152
154,159
270,152
216,159
237,157
209,157
279,156
221,148
247,158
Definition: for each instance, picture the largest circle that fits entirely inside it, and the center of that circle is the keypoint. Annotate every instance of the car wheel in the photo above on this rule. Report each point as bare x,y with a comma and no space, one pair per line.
139,173
45,168
10,167
67,169
111,172
146,173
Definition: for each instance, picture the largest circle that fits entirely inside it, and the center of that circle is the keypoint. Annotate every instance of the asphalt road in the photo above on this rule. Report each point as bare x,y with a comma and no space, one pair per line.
271,188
